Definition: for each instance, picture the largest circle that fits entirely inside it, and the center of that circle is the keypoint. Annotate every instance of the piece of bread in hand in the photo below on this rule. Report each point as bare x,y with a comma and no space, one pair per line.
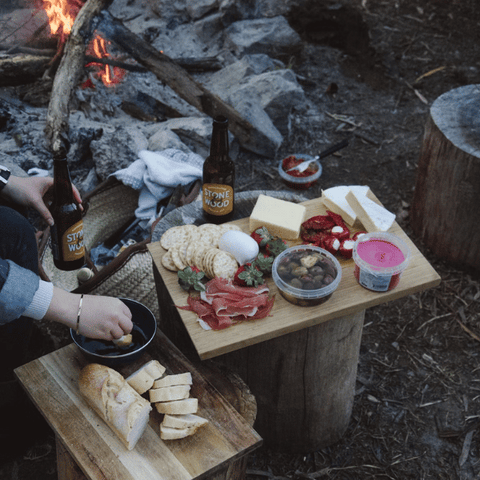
178,407
176,379
115,401
144,378
167,394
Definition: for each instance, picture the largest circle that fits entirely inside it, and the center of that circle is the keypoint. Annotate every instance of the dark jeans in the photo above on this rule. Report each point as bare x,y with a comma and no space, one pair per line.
17,243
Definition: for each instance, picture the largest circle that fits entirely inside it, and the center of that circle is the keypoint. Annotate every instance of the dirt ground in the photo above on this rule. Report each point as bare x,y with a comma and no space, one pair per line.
372,73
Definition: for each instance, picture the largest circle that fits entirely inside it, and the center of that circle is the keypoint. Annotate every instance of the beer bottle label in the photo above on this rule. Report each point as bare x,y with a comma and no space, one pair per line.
73,246
217,199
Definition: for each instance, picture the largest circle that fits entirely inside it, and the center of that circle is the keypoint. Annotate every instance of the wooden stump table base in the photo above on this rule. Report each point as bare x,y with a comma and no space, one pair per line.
303,382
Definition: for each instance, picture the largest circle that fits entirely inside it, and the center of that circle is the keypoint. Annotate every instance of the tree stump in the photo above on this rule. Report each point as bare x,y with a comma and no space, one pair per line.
303,382
445,211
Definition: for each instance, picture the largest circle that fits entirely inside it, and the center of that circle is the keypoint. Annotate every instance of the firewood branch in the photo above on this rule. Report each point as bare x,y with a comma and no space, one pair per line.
172,74
68,75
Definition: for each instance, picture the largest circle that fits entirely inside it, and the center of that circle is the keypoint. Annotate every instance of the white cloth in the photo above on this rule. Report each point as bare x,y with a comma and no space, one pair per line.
156,174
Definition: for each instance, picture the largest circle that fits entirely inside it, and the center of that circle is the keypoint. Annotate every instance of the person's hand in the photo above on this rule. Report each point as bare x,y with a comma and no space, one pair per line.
29,192
101,317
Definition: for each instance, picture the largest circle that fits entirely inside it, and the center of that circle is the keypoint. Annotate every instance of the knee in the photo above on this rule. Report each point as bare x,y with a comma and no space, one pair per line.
17,239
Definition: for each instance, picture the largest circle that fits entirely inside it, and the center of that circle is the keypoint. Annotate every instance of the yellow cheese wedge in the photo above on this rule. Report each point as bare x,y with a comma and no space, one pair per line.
373,216
281,218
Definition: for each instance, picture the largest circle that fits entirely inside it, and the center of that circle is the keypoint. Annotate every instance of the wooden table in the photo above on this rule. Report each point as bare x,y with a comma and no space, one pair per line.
300,362
87,448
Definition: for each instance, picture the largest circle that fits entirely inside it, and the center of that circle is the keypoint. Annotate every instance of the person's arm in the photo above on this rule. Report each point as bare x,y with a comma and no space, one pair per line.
101,317
29,192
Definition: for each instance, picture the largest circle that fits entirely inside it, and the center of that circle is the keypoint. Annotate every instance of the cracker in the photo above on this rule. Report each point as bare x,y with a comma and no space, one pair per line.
224,265
199,254
176,257
167,261
173,236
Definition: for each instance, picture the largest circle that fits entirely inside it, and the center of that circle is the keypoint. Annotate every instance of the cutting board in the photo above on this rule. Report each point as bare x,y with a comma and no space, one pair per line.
348,299
52,383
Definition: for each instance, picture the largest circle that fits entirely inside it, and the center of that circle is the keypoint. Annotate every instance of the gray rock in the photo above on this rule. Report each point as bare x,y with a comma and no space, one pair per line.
272,36
116,149
199,8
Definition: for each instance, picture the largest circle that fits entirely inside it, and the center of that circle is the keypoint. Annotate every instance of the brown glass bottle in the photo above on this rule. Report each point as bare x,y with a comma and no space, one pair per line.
219,176
67,232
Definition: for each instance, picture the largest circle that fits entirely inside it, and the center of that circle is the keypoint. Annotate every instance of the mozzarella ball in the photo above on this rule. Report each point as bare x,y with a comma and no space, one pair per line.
242,246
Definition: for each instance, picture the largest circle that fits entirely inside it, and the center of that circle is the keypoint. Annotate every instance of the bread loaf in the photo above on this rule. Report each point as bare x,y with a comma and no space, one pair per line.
144,378
184,421
115,401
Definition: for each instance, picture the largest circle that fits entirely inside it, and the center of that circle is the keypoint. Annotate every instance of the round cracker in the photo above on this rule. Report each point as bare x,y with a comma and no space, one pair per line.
173,236
176,257
167,261
224,265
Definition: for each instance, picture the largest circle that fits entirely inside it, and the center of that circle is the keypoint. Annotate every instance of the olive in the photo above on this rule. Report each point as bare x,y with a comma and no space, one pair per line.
283,269
300,271
327,280
296,283
316,270
309,286
318,278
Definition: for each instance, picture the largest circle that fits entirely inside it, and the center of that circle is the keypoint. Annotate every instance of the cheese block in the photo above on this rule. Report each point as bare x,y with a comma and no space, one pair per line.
167,394
281,218
143,379
178,407
335,200
177,379
373,216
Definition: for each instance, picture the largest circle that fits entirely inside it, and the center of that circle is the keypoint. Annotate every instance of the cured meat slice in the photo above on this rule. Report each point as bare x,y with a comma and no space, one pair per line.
223,303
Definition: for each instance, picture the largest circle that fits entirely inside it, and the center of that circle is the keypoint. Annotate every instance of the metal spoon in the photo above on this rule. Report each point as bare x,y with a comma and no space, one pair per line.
301,167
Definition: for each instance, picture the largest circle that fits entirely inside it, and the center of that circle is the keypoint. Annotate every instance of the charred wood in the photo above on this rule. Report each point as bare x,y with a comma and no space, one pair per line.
174,76
21,69
68,75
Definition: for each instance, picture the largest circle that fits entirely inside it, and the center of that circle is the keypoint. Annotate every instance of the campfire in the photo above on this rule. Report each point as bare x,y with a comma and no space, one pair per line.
61,17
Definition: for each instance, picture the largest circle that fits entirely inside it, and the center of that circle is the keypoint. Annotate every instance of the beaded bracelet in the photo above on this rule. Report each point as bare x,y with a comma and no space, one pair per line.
79,312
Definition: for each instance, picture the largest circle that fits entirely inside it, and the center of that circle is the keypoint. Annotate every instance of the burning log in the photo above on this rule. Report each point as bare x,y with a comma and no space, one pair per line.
68,75
21,69
174,76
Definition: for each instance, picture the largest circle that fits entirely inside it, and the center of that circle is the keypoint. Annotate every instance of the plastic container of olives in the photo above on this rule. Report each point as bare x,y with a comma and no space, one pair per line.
306,275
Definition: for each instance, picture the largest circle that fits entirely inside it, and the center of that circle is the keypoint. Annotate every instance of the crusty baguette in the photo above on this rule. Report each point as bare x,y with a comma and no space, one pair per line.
178,407
184,421
117,403
144,378
167,394
177,379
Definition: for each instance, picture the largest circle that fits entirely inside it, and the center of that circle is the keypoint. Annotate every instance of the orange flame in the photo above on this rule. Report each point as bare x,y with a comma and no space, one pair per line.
61,16
110,75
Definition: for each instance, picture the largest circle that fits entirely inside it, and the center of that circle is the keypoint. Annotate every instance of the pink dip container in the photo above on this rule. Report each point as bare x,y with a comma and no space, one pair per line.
380,259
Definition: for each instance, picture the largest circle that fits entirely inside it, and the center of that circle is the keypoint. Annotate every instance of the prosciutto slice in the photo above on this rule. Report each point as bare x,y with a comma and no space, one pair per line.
224,303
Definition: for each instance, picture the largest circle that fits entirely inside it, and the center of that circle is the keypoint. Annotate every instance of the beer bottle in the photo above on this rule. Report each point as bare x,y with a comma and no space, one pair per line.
218,176
67,232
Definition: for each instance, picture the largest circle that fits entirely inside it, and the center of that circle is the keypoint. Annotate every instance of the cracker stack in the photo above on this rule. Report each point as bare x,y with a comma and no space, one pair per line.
189,245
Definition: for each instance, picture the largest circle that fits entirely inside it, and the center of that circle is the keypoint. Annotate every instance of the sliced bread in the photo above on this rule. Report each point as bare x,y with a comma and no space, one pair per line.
144,378
177,379
178,407
167,394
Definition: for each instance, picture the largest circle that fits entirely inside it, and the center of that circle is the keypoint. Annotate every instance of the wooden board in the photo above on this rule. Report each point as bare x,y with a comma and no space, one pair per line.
285,317
51,381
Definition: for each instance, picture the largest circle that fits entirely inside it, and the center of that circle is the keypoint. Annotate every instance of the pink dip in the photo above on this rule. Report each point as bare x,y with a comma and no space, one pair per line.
379,258
379,253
